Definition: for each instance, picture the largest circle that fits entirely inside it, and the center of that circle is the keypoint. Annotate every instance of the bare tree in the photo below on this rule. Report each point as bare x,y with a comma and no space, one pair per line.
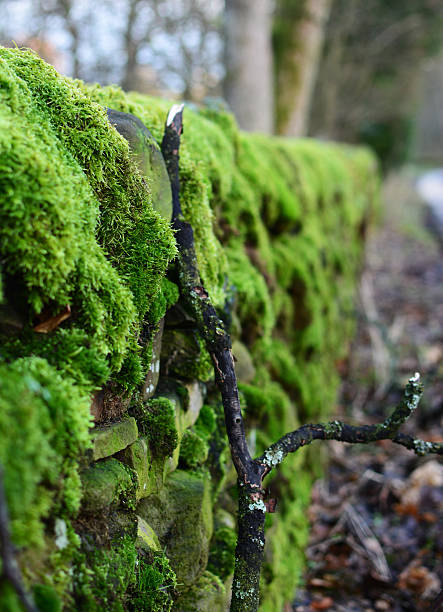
65,10
370,71
248,58
299,29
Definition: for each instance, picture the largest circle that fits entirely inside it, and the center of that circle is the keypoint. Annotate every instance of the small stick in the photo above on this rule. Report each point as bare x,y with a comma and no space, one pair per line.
10,568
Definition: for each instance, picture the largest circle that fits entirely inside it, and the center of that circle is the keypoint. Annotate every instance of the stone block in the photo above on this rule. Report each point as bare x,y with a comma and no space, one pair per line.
153,373
111,439
181,516
196,393
137,456
146,537
244,367
146,153
106,483
206,595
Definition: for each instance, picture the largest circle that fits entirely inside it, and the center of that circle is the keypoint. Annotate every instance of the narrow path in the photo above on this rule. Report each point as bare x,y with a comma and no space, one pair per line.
377,519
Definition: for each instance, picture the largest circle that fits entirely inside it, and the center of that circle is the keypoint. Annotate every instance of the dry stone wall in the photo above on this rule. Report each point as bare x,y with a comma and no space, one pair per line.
117,474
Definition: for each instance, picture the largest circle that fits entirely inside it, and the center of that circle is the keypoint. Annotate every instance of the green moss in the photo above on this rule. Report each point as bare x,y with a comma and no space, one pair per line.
46,599
59,213
155,584
104,575
44,419
221,555
166,298
156,419
207,421
278,226
193,450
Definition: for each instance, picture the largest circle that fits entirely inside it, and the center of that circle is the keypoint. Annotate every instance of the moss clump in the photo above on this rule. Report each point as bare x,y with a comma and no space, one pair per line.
44,418
46,599
156,420
193,450
155,585
67,182
221,555
167,297
103,576
207,422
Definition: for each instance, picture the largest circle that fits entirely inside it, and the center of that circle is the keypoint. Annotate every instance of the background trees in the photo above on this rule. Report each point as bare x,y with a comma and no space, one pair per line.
339,69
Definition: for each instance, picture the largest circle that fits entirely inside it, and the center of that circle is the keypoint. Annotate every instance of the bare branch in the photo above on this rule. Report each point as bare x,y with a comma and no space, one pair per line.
252,508
9,568
211,327
360,434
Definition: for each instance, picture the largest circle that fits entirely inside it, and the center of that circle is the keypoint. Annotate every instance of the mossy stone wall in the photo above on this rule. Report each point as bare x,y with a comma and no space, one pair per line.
120,489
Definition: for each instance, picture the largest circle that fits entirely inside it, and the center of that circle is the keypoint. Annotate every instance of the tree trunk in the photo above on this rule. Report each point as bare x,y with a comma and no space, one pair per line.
249,82
298,40
129,80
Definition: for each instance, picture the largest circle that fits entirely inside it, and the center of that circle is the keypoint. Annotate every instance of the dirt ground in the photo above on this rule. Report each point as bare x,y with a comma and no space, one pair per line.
377,518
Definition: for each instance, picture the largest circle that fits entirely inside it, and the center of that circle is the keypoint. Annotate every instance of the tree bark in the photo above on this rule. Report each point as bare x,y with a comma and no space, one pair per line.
129,80
248,57
299,31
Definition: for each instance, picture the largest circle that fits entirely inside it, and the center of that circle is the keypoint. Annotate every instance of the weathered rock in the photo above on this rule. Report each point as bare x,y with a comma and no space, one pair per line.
109,404
114,438
196,394
430,187
181,516
183,355
244,368
106,483
186,411
137,456
147,154
146,537
153,374
206,595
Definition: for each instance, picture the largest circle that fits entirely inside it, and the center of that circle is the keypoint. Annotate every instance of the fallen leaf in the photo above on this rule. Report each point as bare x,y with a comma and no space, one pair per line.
419,579
322,604
51,323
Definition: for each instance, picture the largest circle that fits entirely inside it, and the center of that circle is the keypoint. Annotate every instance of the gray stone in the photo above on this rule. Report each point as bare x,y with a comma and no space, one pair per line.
146,537
196,394
147,154
244,368
181,516
208,594
153,374
111,439
137,456
106,483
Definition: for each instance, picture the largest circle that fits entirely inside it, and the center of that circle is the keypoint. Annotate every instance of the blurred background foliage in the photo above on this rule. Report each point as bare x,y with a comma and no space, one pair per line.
353,70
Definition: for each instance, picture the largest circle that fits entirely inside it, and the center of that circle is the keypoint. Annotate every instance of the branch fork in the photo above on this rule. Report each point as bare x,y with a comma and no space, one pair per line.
251,472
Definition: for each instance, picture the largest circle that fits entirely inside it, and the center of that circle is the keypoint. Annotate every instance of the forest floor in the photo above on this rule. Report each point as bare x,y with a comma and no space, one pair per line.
376,540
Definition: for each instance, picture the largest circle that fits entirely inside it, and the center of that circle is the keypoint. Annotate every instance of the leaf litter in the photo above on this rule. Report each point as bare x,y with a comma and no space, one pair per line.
376,540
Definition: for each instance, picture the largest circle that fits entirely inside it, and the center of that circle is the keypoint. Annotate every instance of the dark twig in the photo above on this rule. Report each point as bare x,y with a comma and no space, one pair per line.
10,570
210,325
362,434
250,544
252,508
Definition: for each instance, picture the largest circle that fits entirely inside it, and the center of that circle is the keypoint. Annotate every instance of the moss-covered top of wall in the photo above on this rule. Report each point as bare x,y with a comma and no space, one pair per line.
278,226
